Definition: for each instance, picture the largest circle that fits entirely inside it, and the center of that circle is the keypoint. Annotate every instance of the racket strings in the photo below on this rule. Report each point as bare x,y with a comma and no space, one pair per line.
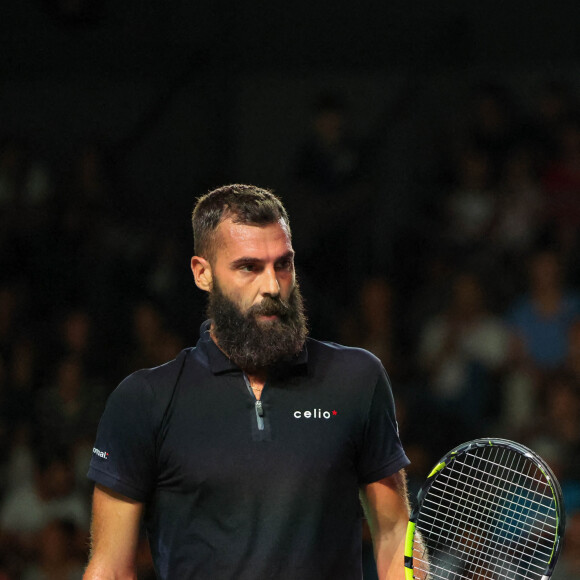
501,512
489,514
476,558
470,531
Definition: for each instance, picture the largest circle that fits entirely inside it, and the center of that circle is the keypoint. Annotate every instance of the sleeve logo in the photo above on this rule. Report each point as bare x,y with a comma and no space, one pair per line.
101,454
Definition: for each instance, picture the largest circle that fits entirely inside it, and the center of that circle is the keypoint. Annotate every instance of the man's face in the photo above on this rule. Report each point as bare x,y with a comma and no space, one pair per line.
253,262
255,304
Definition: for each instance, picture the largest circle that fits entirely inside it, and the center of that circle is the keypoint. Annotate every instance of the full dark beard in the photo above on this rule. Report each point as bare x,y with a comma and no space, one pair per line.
252,344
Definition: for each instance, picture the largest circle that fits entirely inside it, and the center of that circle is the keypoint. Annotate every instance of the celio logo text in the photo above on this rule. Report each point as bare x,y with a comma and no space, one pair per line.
315,414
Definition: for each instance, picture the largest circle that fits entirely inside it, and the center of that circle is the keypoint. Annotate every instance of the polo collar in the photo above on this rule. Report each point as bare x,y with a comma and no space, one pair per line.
219,363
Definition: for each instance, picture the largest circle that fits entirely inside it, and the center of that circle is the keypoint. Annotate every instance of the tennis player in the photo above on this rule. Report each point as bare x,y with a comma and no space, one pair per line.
245,456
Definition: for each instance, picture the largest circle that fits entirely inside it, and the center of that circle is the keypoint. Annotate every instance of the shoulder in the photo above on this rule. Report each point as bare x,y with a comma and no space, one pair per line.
346,359
336,351
148,385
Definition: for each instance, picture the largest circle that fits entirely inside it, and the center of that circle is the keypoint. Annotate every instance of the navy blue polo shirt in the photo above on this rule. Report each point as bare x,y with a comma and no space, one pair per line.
240,489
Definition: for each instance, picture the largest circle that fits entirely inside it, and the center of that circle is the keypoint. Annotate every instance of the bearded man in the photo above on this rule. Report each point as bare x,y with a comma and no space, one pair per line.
246,455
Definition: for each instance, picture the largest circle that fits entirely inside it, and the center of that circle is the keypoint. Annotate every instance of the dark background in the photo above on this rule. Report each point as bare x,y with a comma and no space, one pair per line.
188,91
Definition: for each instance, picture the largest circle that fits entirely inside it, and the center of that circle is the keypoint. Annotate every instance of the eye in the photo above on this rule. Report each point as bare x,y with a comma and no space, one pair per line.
285,264
248,268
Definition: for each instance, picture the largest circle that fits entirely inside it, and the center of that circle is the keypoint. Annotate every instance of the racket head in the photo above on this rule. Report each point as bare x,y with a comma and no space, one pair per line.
490,509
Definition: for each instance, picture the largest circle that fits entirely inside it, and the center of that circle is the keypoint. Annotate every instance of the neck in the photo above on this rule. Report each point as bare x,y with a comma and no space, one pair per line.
257,383
258,376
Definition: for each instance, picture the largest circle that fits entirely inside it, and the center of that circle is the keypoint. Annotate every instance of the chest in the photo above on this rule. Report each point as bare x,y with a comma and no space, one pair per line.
223,436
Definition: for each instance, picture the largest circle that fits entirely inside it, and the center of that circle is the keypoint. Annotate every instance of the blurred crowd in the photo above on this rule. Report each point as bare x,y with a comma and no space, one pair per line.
477,320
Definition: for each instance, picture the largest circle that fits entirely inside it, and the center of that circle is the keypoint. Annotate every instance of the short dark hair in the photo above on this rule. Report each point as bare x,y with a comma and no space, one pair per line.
244,204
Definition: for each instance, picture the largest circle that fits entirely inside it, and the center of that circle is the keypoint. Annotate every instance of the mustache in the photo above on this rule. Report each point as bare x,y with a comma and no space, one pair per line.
270,306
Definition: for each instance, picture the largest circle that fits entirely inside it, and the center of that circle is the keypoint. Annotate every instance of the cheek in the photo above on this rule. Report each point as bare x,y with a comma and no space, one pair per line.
286,285
244,297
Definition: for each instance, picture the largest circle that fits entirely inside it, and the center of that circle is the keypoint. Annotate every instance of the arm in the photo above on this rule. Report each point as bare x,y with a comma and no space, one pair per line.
114,536
387,509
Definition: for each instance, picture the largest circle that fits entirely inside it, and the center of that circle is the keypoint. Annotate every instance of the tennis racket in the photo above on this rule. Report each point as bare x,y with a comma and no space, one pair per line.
490,509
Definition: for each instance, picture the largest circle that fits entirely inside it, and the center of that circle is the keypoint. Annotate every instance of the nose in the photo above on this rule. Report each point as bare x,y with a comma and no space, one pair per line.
270,284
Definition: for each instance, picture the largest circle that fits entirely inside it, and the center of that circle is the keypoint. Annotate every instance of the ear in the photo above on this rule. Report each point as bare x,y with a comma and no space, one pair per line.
201,273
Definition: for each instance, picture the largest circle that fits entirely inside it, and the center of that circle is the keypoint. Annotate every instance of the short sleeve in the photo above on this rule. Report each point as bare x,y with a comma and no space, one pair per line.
381,453
124,457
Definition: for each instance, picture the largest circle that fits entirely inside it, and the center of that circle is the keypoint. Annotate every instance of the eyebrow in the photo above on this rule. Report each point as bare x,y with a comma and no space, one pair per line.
250,260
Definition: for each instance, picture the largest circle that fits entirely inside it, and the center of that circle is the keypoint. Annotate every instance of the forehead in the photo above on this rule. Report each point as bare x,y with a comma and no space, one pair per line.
236,240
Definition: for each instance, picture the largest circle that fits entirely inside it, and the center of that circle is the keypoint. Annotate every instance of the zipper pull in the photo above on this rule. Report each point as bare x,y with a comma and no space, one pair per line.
259,409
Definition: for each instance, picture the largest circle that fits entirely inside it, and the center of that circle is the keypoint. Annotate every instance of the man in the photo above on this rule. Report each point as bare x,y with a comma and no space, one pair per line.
246,454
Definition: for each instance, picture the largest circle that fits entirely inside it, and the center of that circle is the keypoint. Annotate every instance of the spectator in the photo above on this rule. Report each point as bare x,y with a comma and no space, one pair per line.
492,124
516,225
371,326
333,202
560,419
22,380
25,511
25,188
556,103
153,343
471,206
561,183
69,409
542,318
88,186
19,462
57,558
76,337
461,349
76,332
555,433
329,159
519,204
568,567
